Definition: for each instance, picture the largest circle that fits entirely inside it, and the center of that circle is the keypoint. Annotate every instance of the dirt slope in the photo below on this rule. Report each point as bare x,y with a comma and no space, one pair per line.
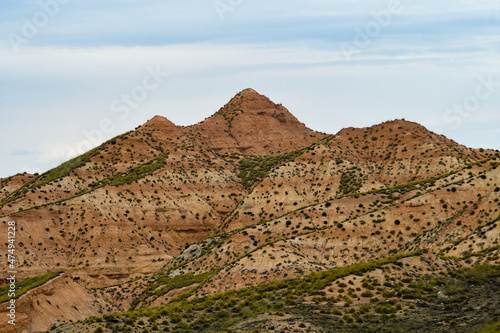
247,196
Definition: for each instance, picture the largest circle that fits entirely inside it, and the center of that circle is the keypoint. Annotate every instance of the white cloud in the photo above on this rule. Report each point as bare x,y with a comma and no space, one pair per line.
58,152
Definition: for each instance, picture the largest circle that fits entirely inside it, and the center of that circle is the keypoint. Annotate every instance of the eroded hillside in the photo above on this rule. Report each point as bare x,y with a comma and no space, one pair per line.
247,198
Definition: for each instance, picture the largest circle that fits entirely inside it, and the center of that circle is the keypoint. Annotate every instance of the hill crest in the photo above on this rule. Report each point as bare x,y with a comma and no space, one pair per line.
250,123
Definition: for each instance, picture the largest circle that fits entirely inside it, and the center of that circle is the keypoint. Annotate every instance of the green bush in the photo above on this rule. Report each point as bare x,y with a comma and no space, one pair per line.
252,169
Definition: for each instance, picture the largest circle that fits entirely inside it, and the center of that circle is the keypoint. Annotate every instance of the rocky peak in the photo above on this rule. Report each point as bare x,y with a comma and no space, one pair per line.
251,123
247,100
158,123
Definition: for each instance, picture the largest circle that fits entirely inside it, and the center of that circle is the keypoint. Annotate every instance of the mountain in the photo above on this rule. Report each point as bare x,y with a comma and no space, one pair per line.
250,201
249,124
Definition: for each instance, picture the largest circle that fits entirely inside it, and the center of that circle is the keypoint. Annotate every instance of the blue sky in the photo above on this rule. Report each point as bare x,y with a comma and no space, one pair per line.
67,65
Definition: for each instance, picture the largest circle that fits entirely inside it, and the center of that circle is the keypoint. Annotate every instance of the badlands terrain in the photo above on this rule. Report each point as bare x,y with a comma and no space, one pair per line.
251,222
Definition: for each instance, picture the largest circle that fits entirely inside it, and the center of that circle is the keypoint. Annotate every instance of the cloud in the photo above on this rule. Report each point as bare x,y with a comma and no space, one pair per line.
156,23
55,153
64,81
21,152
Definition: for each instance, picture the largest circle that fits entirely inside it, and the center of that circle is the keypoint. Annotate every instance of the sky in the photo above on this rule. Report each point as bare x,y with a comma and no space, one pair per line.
76,73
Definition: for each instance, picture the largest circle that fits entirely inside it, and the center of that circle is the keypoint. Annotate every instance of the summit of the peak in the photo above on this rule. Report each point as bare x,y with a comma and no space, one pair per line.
248,91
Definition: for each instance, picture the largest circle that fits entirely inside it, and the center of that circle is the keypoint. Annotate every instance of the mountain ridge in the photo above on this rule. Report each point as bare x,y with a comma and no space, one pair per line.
250,123
247,196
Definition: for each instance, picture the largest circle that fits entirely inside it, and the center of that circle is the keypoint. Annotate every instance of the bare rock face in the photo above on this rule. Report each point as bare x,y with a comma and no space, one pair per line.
60,300
250,192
